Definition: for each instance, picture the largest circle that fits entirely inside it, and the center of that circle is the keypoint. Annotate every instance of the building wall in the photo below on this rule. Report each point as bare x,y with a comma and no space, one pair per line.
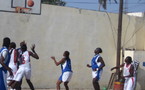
61,28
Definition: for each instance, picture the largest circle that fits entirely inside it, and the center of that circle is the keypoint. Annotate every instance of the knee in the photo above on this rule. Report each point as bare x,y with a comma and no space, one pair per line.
95,80
28,80
65,83
57,84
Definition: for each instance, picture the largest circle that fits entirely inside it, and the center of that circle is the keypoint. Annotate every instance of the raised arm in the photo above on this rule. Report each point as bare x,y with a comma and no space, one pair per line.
58,62
34,54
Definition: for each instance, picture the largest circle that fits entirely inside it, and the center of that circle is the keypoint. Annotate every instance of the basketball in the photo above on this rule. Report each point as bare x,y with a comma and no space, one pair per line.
30,3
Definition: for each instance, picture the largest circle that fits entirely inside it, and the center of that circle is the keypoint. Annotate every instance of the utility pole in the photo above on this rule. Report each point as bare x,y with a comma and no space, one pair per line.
119,37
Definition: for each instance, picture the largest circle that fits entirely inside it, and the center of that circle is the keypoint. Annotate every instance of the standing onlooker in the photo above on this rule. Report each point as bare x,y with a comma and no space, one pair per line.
66,70
4,61
97,65
128,73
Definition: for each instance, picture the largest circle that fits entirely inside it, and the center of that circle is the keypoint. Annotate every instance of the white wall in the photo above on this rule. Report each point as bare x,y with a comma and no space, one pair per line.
61,28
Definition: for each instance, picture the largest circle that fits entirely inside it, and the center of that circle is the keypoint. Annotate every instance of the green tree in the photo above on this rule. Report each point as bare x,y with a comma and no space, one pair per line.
54,2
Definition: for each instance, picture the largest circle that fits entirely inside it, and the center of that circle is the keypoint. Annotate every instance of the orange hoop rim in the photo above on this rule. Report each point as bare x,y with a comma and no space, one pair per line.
22,10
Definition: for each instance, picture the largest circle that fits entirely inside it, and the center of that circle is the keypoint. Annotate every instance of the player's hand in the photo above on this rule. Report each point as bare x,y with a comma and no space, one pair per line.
33,48
88,65
10,71
52,57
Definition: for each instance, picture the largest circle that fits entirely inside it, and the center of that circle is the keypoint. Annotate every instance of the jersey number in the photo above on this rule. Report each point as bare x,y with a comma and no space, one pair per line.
23,60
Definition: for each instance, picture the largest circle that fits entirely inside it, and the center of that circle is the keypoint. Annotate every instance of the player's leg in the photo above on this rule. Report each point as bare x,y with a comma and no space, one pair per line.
125,84
30,84
20,84
10,80
66,85
2,80
17,78
15,85
58,84
130,84
59,81
28,76
96,84
66,78
96,76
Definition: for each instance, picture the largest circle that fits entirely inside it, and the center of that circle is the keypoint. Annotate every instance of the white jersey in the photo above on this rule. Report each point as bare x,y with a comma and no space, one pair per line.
126,70
25,60
24,67
12,63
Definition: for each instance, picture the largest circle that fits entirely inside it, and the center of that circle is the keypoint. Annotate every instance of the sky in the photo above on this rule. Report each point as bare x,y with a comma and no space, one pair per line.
129,5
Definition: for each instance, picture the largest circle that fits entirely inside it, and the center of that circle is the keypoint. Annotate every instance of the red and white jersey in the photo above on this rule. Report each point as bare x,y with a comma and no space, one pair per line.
126,70
13,59
25,60
13,63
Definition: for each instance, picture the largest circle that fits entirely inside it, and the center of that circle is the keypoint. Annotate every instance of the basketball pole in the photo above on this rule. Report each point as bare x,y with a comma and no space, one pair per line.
119,38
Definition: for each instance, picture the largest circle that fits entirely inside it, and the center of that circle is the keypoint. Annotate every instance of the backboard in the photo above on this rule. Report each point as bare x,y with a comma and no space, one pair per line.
10,6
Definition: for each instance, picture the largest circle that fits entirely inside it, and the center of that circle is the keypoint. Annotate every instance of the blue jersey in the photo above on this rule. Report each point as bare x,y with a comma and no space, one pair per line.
3,71
7,58
66,66
94,63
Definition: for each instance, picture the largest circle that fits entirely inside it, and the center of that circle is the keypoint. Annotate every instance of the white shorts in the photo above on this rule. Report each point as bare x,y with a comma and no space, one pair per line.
66,76
97,74
129,83
22,71
14,70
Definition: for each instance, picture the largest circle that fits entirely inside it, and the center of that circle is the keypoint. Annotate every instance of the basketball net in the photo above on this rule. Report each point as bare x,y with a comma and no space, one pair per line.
24,13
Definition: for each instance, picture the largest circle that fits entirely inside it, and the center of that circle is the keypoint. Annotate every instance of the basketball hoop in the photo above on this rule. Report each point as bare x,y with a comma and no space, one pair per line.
26,13
22,10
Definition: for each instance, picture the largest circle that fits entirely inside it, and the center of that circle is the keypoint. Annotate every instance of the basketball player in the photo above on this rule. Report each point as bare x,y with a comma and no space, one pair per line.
65,63
97,65
25,67
4,61
19,53
19,61
13,61
128,73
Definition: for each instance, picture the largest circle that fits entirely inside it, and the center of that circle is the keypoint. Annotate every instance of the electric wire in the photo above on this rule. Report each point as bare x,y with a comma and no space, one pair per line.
112,29
134,34
126,31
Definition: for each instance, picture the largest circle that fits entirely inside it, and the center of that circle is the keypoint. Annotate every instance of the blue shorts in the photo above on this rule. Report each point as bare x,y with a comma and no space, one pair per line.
3,84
